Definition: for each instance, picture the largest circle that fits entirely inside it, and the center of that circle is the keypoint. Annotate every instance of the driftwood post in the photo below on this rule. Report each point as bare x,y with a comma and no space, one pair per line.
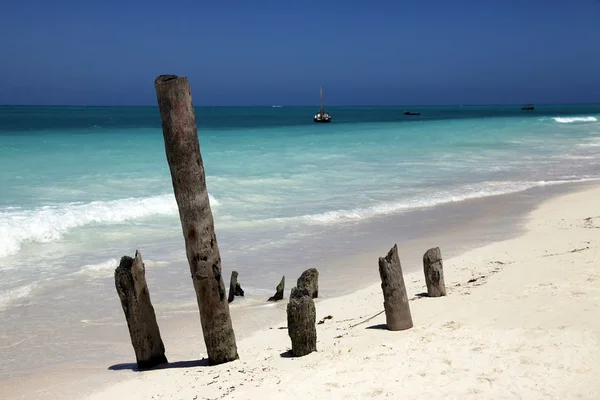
301,316
310,280
130,282
234,287
189,184
434,273
395,299
278,291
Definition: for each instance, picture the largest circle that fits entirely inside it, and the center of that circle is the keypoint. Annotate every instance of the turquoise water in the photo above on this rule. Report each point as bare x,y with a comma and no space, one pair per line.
80,187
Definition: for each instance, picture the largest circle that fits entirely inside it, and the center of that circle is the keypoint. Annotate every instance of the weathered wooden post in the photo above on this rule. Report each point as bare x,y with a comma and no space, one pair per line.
434,273
278,291
301,316
234,287
310,280
130,282
189,184
395,299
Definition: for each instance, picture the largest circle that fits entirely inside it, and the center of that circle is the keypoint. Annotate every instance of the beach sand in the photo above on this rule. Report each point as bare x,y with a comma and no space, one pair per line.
520,321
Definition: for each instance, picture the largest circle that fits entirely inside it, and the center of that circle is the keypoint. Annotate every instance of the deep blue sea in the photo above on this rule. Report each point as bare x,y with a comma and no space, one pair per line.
82,186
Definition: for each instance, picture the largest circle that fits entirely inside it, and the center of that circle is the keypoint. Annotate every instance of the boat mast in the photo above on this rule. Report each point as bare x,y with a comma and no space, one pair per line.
321,97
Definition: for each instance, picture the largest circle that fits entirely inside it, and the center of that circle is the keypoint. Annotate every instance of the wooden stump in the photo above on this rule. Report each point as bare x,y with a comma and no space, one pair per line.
279,291
301,316
434,273
310,280
234,287
130,282
232,284
189,184
395,300
238,290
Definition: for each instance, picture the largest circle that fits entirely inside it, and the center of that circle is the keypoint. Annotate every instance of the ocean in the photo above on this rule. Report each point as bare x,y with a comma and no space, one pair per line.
82,186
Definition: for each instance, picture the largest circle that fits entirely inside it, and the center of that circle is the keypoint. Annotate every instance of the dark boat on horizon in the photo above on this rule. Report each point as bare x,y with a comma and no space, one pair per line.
411,113
528,107
322,115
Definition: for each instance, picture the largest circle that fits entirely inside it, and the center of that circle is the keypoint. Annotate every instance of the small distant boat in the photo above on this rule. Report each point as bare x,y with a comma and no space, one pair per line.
322,115
528,107
411,113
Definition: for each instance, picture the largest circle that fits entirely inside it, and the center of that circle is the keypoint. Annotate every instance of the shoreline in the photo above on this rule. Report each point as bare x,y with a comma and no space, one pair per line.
270,314
496,334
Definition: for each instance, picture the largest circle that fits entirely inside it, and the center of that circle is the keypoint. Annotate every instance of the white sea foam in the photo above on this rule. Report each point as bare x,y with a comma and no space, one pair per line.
575,157
430,199
107,267
486,189
590,142
11,295
569,120
49,223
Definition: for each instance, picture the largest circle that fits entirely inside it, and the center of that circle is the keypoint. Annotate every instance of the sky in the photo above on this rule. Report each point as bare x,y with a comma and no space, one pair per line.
241,52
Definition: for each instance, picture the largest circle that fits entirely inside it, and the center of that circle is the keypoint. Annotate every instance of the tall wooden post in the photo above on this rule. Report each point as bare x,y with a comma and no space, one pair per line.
189,184
395,299
130,282
434,272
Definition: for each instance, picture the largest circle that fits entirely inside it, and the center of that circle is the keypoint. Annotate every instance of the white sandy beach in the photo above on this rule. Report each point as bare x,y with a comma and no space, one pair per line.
519,321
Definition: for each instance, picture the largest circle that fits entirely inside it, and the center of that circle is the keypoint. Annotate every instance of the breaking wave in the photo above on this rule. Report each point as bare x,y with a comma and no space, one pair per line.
570,120
485,189
49,223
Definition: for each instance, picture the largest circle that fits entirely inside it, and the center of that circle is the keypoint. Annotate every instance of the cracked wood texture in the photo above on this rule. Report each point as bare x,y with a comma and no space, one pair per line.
189,184
395,299
310,280
130,282
301,316
434,273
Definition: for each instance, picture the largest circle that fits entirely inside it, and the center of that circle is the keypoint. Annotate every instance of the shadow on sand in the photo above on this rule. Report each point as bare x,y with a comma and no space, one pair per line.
287,354
177,364
378,326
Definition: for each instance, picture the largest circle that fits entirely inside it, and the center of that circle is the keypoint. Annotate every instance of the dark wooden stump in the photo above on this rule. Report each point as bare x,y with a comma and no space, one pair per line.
434,273
130,282
279,291
238,290
182,148
234,287
395,299
301,316
310,280
232,283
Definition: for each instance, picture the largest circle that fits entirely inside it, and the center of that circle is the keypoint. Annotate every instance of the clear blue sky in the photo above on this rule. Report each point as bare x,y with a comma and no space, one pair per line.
253,52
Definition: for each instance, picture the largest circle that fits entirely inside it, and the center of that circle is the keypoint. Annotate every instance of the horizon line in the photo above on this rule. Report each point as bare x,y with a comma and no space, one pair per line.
307,105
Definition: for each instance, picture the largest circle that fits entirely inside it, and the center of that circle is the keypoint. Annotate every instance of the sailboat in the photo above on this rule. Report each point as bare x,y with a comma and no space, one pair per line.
322,116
